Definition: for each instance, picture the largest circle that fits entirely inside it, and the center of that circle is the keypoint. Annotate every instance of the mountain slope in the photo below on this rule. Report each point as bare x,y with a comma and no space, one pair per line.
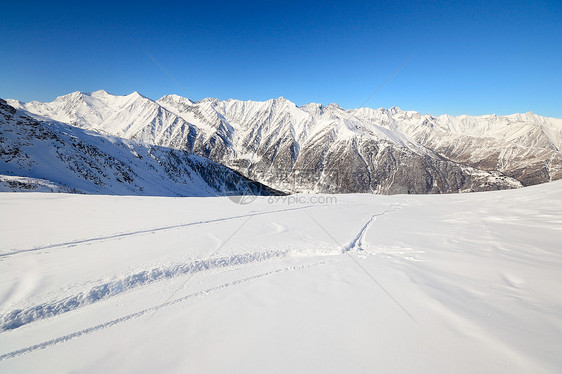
523,146
329,149
59,157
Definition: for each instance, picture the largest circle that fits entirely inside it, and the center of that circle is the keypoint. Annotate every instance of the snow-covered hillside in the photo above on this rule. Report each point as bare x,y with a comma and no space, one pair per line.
327,148
524,146
58,157
304,283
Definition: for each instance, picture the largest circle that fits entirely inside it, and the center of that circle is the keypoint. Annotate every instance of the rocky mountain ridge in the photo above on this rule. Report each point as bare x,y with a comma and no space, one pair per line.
317,148
56,157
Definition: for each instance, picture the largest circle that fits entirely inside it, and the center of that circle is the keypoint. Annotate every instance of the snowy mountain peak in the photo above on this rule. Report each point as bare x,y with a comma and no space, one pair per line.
57,157
280,101
73,96
269,140
315,109
135,94
175,98
334,106
100,93
208,100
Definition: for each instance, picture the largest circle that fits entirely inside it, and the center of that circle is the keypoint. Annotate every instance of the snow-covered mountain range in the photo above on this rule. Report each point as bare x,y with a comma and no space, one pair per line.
57,157
327,148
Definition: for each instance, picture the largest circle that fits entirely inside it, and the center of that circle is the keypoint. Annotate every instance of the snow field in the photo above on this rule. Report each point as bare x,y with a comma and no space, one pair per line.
453,283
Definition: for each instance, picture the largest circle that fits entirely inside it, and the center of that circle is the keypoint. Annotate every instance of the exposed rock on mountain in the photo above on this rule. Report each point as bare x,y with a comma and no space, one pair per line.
53,156
329,149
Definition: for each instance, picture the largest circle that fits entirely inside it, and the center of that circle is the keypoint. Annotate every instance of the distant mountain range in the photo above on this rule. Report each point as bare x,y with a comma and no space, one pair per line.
317,148
55,157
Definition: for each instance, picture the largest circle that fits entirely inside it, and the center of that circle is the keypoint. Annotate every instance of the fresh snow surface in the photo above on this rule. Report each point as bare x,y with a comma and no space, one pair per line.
368,283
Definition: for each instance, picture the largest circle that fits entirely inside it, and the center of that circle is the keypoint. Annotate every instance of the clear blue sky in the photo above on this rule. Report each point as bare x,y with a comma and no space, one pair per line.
472,57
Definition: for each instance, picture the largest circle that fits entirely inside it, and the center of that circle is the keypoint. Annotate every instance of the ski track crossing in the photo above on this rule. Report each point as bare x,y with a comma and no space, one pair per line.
16,318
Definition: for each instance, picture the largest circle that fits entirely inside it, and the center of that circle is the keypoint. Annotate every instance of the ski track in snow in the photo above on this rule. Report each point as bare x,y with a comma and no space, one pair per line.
153,309
13,252
20,317
356,244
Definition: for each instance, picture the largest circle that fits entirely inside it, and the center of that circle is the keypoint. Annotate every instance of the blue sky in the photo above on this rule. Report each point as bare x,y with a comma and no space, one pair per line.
473,57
